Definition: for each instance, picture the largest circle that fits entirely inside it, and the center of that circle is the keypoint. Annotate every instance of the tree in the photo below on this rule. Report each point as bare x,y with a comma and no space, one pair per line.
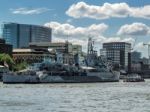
6,60
20,66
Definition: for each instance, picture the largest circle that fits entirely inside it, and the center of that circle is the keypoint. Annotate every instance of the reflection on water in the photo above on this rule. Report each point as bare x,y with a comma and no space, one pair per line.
84,97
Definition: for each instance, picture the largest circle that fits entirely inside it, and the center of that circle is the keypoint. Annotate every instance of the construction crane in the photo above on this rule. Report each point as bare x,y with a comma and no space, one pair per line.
144,44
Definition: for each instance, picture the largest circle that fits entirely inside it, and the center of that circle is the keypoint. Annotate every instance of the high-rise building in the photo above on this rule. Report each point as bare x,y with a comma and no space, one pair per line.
135,57
20,35
5,48
118,53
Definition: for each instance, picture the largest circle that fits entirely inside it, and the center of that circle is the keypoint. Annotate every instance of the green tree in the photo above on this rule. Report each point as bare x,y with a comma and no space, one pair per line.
6,59
20,66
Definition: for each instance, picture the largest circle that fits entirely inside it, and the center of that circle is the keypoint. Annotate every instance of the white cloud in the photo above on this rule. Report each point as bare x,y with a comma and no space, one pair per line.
69,31
107,10
79,35
73,40
142,12
118,39
134,29
29,11
139,46
69,20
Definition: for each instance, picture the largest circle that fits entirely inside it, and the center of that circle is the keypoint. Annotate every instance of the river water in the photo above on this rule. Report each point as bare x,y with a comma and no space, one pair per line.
79,97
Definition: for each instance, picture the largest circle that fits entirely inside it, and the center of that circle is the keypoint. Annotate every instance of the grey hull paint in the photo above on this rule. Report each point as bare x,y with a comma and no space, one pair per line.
19,79
55,79
75,79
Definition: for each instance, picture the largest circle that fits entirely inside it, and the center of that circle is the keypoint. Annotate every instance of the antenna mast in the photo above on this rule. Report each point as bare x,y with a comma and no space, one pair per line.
90,46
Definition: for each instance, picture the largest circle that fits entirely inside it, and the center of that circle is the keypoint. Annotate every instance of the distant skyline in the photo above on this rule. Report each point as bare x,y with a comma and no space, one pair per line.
75,20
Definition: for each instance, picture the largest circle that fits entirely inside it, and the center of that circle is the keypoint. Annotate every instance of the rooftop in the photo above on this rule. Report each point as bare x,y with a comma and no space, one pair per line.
22,50
48,43
117,43
26,24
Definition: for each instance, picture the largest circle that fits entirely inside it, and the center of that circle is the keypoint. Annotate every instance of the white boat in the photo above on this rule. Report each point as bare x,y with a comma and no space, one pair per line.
133,78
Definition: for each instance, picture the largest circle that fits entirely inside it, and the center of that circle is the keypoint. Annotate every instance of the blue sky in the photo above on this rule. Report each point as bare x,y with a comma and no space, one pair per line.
68,21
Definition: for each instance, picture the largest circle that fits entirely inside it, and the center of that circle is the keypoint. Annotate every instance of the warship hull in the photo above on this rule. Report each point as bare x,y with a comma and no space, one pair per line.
9,78
75,79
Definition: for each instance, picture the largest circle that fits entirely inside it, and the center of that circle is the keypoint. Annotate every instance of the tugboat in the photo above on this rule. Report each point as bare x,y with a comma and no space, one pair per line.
133,78
95,70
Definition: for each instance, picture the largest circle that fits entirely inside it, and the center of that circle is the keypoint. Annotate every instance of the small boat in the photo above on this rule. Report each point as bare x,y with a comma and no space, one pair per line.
133,78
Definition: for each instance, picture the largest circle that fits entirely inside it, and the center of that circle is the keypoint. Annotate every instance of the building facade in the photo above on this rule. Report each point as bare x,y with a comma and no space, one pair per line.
66,49
76,49
32,55
118,53
136,57
20,35
5,48
63,47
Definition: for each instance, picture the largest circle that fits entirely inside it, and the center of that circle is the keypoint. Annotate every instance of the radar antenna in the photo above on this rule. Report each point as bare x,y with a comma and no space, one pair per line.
90,46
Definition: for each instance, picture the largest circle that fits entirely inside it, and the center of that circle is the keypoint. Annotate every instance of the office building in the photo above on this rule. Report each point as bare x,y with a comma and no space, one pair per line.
32,55
135,57
20,35
77,49
63,47
5,48
66,49
118,53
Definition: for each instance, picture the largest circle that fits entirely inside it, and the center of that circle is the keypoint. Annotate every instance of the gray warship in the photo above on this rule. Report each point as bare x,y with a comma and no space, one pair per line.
94,70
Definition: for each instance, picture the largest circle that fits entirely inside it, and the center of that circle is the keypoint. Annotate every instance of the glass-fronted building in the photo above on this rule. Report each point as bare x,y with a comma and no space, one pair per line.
136,56
5,48
118,52
20,35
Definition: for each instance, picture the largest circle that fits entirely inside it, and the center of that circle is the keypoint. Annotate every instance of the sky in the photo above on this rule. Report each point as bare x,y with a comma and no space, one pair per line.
76,20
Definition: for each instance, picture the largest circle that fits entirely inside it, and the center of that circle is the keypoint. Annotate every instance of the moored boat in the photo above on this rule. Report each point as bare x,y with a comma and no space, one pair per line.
95,70
25,76
133,78
61,77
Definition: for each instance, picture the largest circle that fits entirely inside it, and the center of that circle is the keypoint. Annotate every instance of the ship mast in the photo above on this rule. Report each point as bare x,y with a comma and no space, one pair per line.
91,53
90,46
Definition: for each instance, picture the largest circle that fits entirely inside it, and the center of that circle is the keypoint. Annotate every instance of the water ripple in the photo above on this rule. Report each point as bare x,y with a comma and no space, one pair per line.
88,97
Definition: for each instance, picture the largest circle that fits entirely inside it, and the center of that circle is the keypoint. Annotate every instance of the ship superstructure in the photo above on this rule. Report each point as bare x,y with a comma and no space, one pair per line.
96,70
